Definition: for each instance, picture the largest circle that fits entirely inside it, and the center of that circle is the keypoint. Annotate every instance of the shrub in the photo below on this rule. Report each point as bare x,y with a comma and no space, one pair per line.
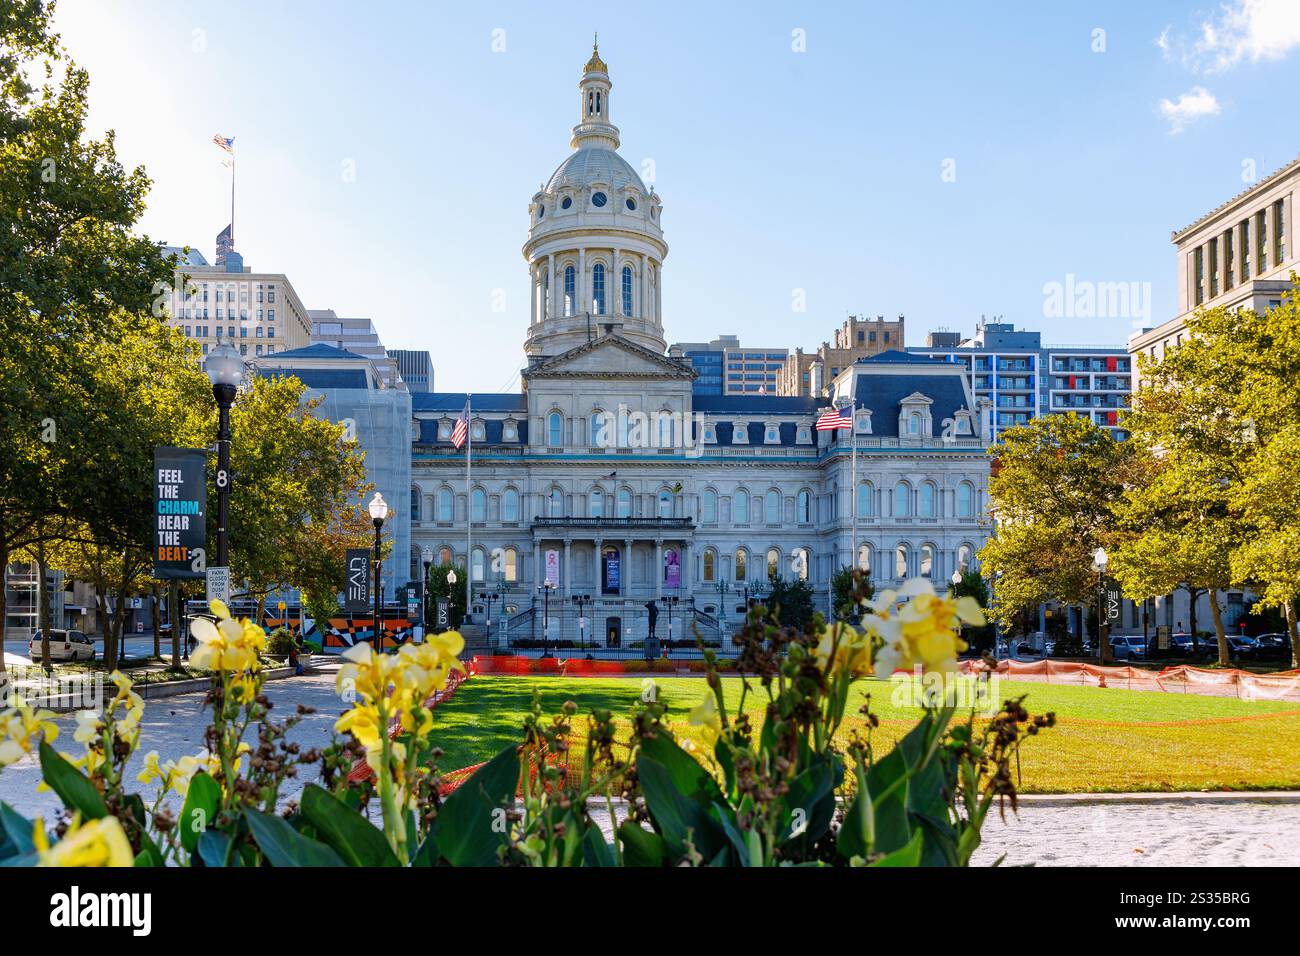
281,643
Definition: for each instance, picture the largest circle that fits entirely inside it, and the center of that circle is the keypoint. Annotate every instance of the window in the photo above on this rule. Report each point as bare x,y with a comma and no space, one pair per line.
665,429
566,202
510,505
709,506
773,563
630,203
900,561
511,565
415,504
596,503
902,496
864,558
927,561
805,507
772,507
598,437
914,423
557,503
477,565
599,199
623,503
478,505
742,565
627,282
598,288
965,500
866,499
927,500
445,556
555,429
964,557
570,301
710,565
740,507
665,503
803,560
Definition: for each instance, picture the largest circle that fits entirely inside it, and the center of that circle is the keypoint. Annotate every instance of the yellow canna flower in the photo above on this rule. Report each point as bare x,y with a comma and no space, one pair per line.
22,729
95,843
227,645
705,716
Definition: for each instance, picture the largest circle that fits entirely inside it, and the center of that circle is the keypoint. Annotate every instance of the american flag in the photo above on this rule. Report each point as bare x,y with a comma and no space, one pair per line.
225,142
461,431
834,418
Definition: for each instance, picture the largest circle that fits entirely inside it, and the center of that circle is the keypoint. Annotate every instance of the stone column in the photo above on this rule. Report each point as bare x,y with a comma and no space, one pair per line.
581,289
597,591
618,282
659,296
550,310
532,297
645,286
624,577
659,568
538,570
567,572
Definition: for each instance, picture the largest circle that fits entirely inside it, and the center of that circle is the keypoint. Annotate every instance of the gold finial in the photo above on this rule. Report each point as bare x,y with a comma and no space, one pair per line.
595,64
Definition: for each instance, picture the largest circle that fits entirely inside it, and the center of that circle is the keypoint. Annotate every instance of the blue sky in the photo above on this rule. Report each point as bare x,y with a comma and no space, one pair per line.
944,165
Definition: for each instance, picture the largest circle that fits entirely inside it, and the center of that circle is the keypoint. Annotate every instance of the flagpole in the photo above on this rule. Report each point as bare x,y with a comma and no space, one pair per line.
232,197
853,486
469,503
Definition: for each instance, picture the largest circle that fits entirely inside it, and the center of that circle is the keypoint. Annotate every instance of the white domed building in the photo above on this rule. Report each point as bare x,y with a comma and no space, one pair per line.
605,485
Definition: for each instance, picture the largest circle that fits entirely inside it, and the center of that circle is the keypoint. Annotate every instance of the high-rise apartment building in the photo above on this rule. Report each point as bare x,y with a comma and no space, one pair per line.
857,338
1024,379
725,367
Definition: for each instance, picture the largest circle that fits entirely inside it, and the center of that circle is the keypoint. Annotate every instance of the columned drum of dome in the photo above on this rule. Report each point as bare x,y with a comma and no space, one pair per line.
595,246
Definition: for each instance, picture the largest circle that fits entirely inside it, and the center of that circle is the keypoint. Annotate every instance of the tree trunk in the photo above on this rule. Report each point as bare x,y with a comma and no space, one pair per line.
1288,612
43,606
106,630
1219,632
173,615
156,599
4,605
1191,613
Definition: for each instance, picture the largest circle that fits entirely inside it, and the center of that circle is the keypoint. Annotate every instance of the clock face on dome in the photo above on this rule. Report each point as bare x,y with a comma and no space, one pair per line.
598,199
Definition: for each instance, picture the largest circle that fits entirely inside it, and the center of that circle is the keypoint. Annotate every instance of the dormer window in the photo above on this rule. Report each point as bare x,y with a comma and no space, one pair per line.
740,434
710,435
509,430
444,429
803,436
772,434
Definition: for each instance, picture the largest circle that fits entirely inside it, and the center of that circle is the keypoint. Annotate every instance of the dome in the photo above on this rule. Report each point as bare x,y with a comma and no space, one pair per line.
594,165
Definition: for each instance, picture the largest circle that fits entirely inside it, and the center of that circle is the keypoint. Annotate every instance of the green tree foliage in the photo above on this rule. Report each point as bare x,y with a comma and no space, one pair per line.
1053,488
454,594
791,601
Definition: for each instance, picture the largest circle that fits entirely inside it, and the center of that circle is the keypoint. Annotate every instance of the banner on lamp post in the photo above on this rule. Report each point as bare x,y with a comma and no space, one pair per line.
180,513
356,589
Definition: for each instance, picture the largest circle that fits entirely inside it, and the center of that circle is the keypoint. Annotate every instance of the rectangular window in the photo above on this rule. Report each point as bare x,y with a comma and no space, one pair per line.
1229,277
1214,268
1243,233
1279,233
1198,274
1261,244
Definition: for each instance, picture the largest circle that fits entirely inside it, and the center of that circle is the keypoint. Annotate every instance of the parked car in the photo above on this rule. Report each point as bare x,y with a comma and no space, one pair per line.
1272,647
64,646
1242,648
1127,648
1183,645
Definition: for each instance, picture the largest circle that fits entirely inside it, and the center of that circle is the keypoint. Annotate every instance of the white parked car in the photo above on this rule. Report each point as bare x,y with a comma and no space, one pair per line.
64,646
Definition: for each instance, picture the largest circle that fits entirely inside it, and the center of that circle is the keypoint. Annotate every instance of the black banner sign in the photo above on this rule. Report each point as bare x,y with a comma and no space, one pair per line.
356,589
180,513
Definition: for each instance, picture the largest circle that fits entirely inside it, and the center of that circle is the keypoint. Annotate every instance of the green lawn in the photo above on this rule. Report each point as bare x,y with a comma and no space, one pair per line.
1105,739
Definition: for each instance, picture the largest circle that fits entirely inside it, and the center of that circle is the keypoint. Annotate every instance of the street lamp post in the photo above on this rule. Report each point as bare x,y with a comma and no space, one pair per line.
426,556
378,512
225,369
497,593
451,589
580,601
670,602
545,590
1099,562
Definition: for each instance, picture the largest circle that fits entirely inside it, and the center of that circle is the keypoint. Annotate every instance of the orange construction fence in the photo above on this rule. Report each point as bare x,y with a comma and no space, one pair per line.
1182,679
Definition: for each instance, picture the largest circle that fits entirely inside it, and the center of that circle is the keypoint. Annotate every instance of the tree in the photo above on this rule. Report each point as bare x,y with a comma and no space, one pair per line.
1052,489
71,268
453,594
791,600
842,585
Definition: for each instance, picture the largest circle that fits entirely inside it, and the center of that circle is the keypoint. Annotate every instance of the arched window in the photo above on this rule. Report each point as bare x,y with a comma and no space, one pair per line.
772,507
596,503
665,503
598,436
510,505
901,561
740,506
709,506
866,499
710,565
478,505
445,557
570,300
965,500
557,503
446,505
511,565
926,509
742,565
665,429
914,423
864,558
773,563
627,290
555,429
415,504
902,500
478,565
623,503
927,561
965,557
598,289
805,507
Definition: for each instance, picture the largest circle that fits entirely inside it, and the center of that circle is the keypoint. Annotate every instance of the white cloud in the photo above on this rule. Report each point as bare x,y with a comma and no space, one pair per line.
1243,31
1188,108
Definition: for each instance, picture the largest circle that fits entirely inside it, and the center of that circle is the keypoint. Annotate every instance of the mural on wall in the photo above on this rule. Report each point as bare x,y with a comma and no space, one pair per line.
340,633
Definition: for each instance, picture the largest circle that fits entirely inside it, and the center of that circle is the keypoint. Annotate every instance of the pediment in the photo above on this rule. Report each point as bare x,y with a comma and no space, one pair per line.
609,356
